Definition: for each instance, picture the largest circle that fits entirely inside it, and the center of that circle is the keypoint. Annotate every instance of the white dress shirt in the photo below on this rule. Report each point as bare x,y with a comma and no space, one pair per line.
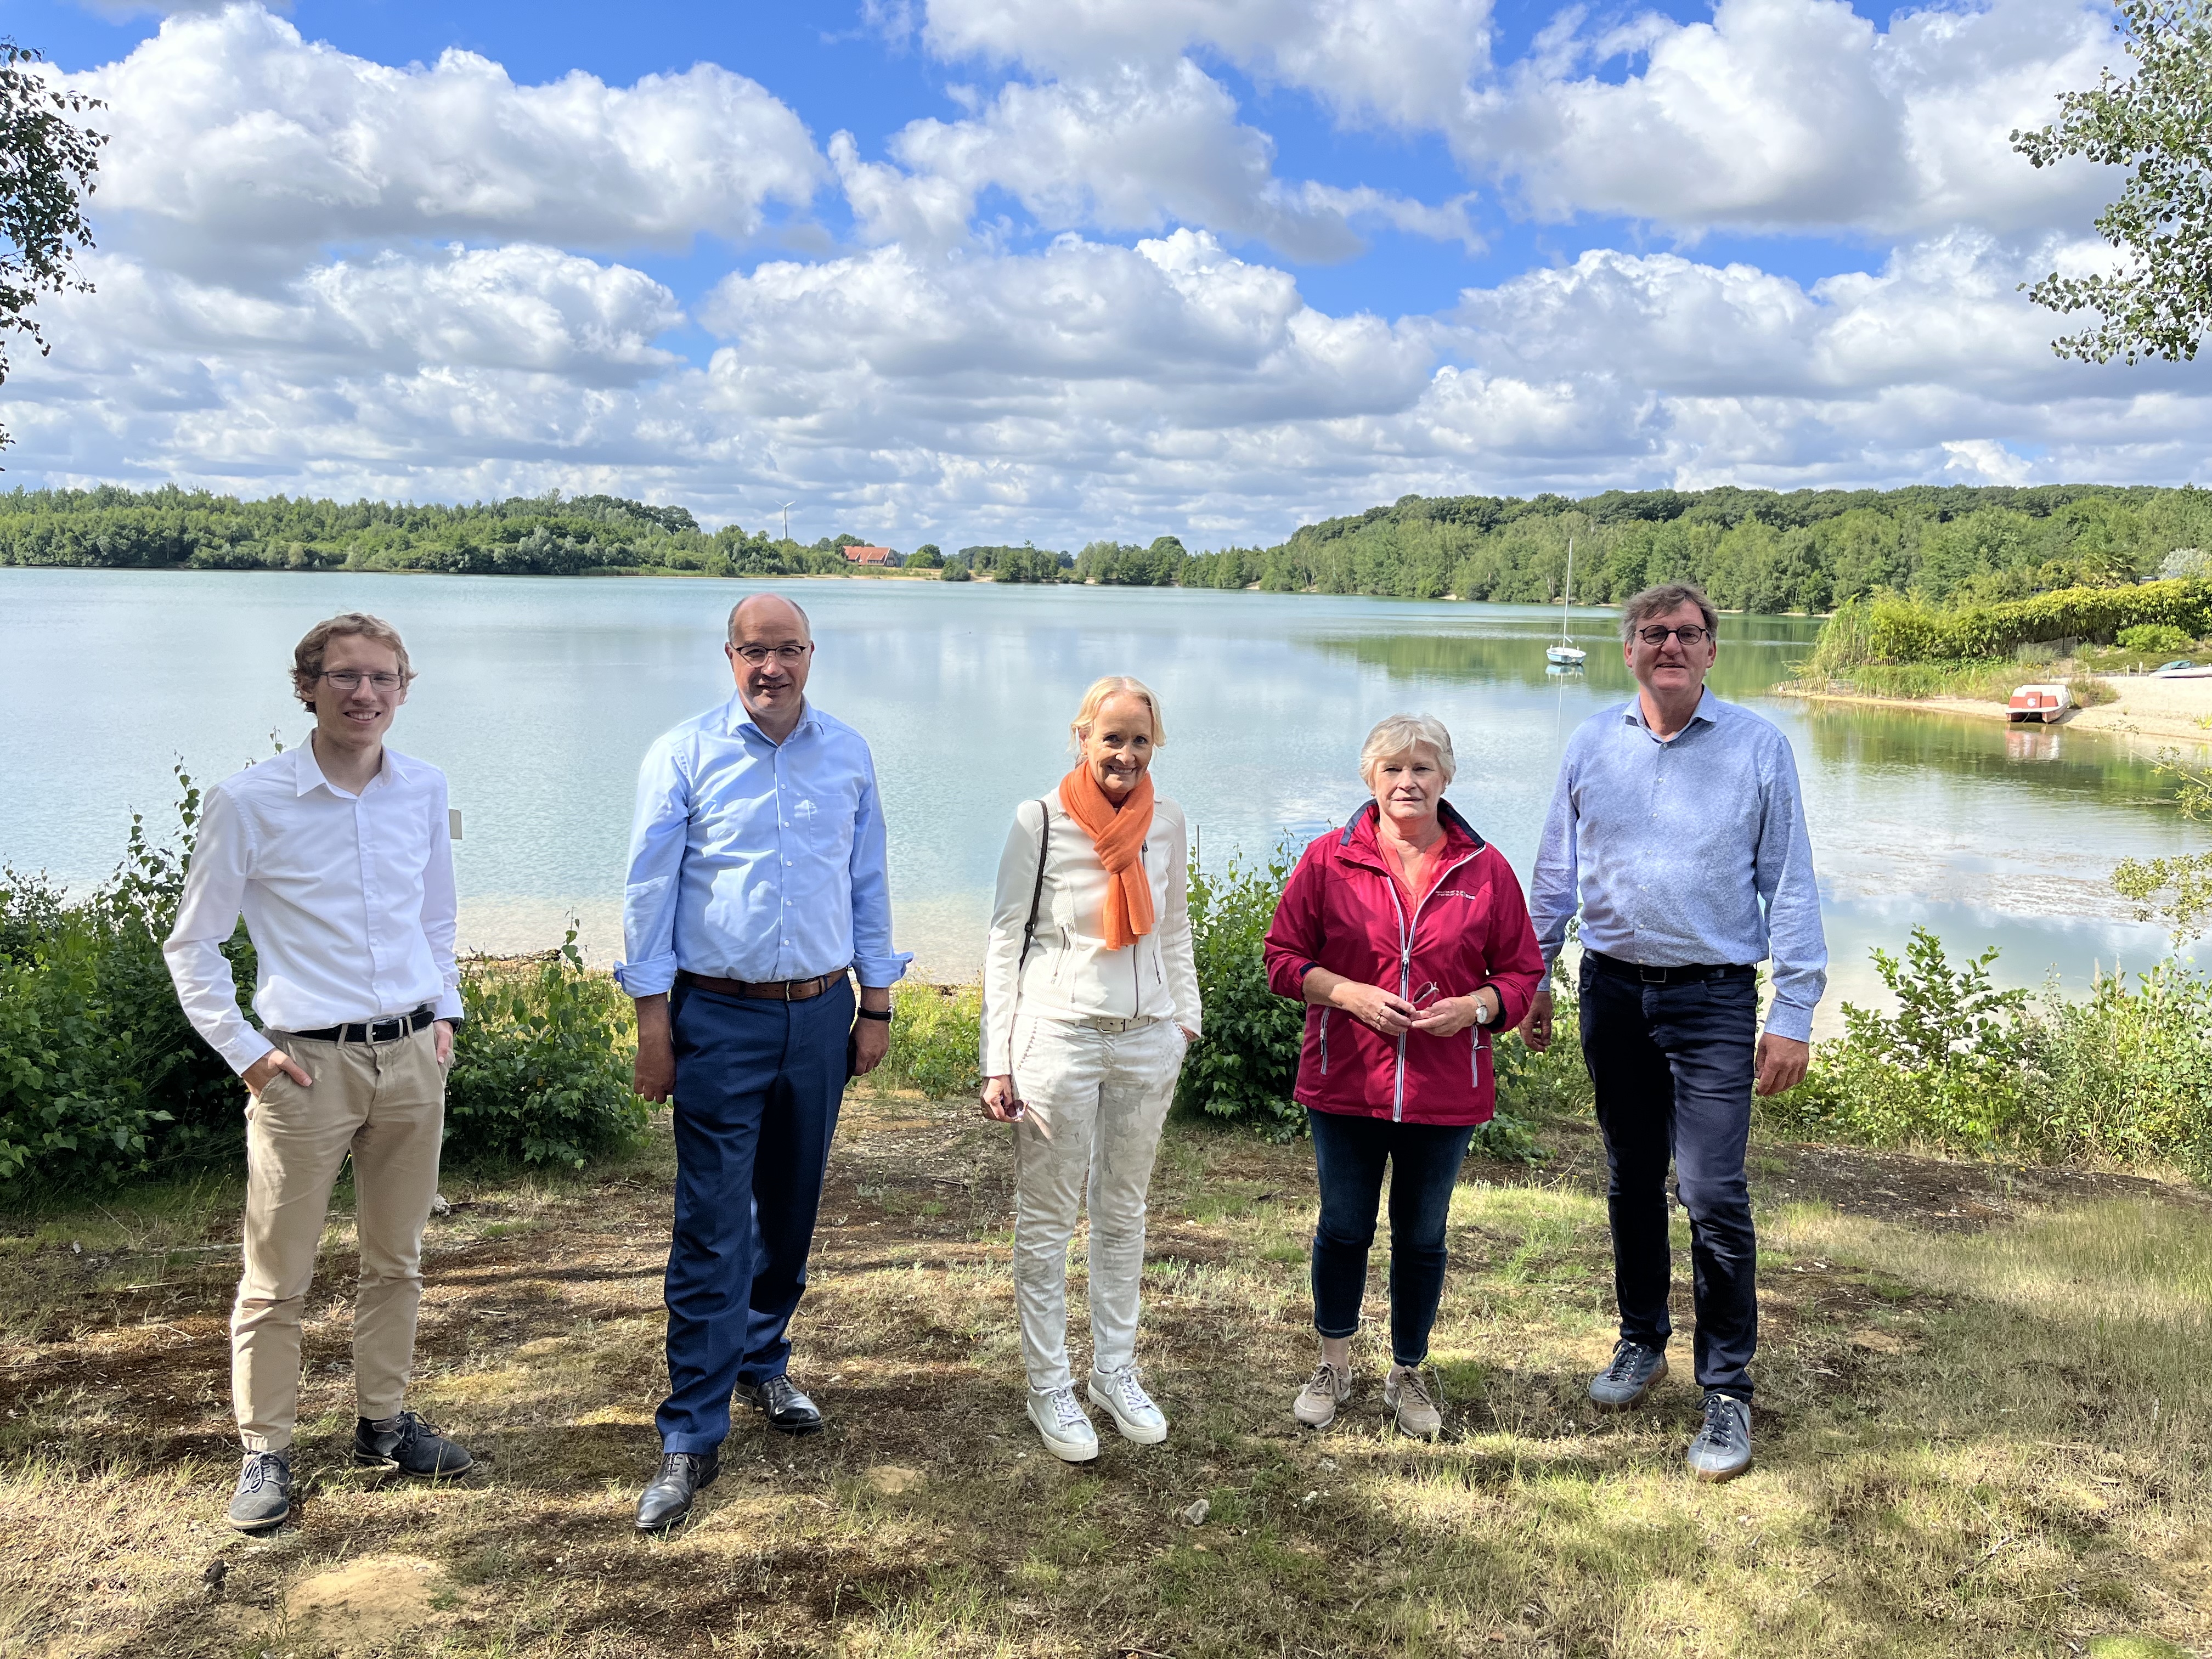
348,900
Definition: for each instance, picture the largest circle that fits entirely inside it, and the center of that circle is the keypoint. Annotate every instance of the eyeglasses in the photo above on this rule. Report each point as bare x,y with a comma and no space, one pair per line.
1692,634
755,655
349,679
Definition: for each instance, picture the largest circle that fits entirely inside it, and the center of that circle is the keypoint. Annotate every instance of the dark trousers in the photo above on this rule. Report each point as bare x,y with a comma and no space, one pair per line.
757,1086
1349,1153
1672,1065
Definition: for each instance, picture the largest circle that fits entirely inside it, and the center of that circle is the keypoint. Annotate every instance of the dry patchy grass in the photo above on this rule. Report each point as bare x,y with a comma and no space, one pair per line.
1982,1430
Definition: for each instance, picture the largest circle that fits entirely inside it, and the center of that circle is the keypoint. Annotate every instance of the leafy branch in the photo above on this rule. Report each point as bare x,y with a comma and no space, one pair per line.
2157,123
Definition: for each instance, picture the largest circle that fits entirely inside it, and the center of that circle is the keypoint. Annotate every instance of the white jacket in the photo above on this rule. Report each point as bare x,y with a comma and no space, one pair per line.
1069,972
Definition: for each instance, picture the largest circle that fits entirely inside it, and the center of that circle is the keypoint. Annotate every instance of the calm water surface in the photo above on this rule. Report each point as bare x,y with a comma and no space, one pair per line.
538,696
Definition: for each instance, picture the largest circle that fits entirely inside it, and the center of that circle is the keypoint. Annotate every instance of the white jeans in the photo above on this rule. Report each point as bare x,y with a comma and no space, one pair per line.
1097,1098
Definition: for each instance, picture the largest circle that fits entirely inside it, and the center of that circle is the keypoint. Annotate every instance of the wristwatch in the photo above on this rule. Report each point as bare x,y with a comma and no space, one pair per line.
883,1014
1481,1008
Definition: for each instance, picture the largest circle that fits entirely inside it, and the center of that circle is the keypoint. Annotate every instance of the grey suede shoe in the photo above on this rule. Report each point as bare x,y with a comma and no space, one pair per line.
263,1497
1722,1450
408,1444
1625,1383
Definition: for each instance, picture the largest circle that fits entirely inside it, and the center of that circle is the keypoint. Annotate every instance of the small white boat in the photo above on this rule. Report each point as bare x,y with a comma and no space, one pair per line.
2044,704
2183,669
1564,655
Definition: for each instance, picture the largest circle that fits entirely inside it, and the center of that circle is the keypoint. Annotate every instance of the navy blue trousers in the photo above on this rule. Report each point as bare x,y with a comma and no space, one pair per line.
1671,1065
757,1087
1349,1153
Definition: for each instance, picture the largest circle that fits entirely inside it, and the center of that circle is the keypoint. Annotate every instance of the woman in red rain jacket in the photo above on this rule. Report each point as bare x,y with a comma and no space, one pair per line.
1406,935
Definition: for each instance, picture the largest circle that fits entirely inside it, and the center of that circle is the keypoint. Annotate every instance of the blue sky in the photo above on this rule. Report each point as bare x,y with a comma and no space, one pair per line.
967,269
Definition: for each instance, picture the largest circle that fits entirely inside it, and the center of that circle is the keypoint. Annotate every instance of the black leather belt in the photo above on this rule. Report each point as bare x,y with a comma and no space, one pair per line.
761,990
1643,974
369,1031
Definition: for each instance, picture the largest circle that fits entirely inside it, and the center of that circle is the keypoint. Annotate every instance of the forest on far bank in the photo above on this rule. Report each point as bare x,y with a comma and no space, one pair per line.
1752,550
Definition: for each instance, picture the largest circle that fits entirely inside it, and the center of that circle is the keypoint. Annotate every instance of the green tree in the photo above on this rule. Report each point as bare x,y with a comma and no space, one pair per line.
2157,123
47,166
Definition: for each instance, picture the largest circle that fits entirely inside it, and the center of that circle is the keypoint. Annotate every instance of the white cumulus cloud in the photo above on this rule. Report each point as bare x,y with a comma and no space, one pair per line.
234,138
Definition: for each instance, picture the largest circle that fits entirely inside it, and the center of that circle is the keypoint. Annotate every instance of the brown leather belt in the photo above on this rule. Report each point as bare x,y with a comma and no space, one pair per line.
766,990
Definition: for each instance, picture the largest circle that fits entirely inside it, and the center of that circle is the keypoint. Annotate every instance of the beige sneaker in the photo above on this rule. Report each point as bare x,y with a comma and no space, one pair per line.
1329,1387
1405,1393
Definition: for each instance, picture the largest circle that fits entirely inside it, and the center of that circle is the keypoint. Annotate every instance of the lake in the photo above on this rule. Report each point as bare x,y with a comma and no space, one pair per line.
538,697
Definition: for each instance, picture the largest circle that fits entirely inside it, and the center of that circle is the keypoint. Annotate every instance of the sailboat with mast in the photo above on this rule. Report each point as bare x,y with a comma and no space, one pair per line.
1564,654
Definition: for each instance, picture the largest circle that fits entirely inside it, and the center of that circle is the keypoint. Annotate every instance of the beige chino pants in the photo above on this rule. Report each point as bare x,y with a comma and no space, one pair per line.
385,1102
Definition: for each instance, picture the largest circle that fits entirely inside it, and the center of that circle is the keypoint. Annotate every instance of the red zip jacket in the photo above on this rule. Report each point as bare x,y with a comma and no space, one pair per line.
1343,911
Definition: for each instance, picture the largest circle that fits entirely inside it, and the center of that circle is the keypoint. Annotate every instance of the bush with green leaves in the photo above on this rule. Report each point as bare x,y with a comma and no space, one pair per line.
1245,1062
2154,638
541,1063
2124,1075
101,1074
936,1040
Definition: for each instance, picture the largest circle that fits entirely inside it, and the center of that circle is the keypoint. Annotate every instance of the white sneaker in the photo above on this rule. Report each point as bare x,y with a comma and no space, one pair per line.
1065,1425
1405,1392
1134,1413
1328,1387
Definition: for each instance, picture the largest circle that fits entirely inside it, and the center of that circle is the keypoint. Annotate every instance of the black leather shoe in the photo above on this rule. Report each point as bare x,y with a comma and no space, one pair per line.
408,1444
789,1412
683,1477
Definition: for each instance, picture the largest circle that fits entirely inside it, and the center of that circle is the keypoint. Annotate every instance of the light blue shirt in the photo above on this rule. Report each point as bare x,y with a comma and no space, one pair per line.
1686,850
756,860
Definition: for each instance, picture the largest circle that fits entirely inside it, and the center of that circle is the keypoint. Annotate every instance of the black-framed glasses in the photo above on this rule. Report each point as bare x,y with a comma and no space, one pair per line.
1689,635
350,679
755,655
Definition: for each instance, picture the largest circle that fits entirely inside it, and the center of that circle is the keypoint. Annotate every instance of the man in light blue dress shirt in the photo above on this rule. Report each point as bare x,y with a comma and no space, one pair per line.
756,884
1679,831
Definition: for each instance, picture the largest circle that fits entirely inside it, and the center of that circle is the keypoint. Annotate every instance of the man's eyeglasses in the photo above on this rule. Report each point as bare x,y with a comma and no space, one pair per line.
349,679
1692,634
755,655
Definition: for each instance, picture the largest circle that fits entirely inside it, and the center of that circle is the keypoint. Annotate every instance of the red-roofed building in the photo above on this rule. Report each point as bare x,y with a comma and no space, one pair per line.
859,555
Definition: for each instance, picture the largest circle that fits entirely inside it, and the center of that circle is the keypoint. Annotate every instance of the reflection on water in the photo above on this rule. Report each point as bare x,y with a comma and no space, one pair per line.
538,696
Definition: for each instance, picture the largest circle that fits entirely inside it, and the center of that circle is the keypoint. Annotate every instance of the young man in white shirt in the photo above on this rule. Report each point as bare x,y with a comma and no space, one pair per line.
338,854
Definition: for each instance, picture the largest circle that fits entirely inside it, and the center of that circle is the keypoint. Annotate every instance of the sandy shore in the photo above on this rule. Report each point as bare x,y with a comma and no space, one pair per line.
2165,711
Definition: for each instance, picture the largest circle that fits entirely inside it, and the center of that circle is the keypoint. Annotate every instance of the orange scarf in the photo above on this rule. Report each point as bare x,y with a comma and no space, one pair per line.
1120,839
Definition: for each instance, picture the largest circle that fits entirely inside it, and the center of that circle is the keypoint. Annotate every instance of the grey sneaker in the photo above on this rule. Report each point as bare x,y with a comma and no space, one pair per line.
1131,1407
1625,1383
1329,1387
1064,1426
1722,1450
1406,1393
263,1497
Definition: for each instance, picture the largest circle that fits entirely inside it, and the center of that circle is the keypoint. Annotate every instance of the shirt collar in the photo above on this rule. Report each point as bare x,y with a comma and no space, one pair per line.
1707,711
736,720
308,772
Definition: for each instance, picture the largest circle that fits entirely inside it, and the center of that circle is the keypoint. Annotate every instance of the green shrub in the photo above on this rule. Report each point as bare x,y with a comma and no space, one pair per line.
1244,1064
2124,1075
101,1074
936,1040
2154,638
1948,1069
541,1064
1894,629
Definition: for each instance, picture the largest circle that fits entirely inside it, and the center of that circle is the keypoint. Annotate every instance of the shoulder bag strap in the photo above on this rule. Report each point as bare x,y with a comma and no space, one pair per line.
1044,841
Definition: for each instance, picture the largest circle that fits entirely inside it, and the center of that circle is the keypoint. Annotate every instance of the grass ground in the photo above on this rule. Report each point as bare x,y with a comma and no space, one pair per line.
1982,1429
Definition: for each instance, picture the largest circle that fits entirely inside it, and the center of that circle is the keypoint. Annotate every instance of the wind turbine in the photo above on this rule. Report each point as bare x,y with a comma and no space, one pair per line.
787,505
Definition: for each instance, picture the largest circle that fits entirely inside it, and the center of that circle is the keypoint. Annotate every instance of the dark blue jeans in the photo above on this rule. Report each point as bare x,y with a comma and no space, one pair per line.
1672,1065
757,1087
1349,1153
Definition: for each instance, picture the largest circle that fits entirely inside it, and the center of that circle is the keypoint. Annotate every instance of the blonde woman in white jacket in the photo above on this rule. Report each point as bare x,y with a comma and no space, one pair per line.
1090,998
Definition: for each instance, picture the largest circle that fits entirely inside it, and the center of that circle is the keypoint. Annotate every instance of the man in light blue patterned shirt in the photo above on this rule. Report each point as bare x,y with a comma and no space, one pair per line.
1679,831
757,885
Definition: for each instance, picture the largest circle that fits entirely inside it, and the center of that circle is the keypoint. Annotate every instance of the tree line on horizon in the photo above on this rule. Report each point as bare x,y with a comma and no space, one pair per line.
1751,550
